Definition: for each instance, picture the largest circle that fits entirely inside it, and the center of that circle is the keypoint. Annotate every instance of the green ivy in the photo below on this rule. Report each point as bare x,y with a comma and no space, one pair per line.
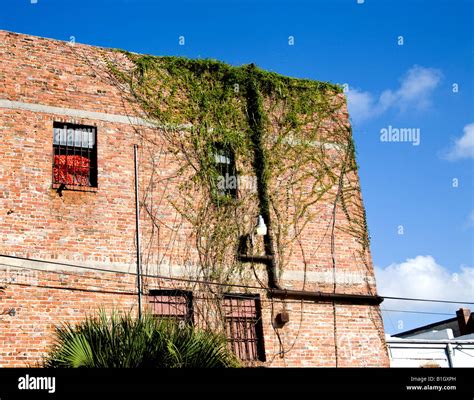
235,107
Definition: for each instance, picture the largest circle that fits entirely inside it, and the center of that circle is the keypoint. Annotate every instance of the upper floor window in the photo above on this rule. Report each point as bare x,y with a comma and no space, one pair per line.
75,154
227,174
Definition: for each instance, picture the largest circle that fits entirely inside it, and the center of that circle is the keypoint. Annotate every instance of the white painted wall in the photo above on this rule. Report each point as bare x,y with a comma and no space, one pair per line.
419,352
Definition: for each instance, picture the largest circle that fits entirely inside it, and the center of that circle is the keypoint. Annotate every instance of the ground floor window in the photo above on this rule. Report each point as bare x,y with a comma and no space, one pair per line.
243,324
172,303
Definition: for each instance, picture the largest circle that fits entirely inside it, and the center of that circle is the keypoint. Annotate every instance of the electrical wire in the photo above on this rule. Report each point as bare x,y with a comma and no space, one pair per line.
206,282
428,300
415,312
98,290
243,295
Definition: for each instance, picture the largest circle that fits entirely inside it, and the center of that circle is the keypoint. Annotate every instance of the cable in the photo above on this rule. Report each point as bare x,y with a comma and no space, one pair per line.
390,320
75,289
416,312
428,300
130,273
262,300
60,273
202,281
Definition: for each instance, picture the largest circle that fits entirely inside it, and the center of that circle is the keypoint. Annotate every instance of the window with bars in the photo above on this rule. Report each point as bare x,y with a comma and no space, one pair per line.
243,325
225,164
75,155
172,303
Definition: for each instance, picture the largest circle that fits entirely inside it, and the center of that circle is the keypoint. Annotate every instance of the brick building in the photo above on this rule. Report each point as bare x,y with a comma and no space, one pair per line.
68,227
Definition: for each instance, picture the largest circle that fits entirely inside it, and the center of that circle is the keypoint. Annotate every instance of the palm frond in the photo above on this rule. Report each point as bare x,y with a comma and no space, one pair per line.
122,341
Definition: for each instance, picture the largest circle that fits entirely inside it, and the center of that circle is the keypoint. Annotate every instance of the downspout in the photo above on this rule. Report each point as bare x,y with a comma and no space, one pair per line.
449,353
256,125
257,130
137,232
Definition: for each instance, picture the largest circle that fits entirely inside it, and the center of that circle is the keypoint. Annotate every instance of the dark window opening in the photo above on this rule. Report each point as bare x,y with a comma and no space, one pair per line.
172,303
224,158
75,155
243,326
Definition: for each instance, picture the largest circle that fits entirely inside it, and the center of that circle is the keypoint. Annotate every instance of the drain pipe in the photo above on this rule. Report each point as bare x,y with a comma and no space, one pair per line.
257,129
449,353
137,233
341,298
260,166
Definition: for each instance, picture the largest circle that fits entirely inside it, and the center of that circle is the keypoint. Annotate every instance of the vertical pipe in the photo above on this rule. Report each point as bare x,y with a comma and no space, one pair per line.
137,227
257,128
449,353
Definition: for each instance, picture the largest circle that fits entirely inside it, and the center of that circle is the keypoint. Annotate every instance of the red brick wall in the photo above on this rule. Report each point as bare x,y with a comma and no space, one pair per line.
97,228
43,300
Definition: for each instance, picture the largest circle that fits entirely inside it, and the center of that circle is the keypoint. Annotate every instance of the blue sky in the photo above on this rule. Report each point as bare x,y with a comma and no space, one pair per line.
405,186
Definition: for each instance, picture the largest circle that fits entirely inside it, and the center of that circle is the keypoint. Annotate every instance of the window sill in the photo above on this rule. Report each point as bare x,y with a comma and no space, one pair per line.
73,188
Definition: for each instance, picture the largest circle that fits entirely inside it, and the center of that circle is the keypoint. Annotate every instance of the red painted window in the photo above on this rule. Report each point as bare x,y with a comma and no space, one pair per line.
75,155
243,324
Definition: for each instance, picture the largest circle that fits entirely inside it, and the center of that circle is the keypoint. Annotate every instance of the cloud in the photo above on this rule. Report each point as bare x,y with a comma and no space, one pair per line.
422,277
361,104
415,92
464,146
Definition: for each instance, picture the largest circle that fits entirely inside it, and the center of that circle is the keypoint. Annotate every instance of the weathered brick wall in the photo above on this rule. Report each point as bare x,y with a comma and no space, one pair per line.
97,228
43,300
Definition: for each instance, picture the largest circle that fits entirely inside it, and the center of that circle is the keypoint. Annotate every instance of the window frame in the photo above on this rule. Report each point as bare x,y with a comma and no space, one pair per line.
224,168
73,150
186,294
257,326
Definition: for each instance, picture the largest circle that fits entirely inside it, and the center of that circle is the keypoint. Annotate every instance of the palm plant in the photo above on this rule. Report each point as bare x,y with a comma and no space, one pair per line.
122,341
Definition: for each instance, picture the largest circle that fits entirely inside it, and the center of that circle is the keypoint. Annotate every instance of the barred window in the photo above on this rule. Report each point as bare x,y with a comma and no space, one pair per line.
172,303
75,155
225,164
243,325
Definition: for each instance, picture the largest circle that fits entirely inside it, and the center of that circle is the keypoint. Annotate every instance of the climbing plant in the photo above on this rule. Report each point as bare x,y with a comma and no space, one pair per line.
290,135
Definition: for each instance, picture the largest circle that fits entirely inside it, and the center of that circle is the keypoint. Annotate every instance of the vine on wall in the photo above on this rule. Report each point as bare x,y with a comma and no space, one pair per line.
290,134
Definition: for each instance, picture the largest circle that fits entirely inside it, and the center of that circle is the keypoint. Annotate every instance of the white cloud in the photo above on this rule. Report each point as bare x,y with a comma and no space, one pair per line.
416,87
415,92
422,277
464,146
361,104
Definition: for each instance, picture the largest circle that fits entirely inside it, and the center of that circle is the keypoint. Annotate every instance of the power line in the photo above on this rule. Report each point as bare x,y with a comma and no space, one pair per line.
69,273
415,312
189,280
428,300
205,282
74,289
131,293
102,290
195,297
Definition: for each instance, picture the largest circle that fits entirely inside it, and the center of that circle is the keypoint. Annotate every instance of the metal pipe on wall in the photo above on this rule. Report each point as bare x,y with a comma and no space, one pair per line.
362,299
137,234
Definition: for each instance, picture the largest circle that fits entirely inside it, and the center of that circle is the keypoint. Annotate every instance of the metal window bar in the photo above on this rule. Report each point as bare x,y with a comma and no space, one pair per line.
74,155
243,326
172,303
225,165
